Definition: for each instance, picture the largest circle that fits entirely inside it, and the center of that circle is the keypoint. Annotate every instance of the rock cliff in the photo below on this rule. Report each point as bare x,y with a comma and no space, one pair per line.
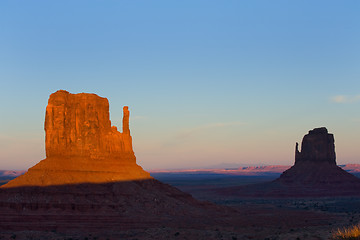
81,145
316,163
78,125
317,146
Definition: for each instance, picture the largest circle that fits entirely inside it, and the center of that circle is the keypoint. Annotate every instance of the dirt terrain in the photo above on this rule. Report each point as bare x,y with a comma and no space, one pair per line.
272,218
231,218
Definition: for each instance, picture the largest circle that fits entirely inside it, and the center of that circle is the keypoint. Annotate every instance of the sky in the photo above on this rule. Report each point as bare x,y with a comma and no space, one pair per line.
208,83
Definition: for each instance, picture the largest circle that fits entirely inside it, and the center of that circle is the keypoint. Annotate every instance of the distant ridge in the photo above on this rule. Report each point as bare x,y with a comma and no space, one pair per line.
249,171
11,173
241,171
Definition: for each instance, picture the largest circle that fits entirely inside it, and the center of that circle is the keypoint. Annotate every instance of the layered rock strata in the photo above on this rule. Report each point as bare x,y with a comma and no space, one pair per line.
81,145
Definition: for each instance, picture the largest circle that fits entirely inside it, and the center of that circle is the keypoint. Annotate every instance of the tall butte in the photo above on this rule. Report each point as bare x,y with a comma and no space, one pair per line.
81,145
315,164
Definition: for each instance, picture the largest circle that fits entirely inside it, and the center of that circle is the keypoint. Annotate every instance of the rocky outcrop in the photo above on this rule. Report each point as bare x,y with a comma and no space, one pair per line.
90,181
314,173
317,146
81,145
316,163
78,125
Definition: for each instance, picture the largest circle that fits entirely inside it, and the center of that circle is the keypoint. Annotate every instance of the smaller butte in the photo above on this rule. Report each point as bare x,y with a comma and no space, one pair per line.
82,146
314,174
315,165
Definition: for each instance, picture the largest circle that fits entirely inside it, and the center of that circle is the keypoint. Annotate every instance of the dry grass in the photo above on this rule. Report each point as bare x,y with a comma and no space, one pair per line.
348,233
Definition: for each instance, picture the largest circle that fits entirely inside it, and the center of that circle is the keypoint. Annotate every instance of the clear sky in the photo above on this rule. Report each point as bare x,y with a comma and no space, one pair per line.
207,82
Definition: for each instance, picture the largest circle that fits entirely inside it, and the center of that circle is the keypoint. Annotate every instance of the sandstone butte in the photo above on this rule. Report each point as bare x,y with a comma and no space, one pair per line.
314,174
315,164
90,182
82,146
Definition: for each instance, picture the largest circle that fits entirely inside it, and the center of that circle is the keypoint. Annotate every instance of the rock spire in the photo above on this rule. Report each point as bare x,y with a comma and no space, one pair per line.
126,128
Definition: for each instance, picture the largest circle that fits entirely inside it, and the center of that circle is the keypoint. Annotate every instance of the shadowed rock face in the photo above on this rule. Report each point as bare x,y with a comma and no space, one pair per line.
316,164
81,145
314,173
317,146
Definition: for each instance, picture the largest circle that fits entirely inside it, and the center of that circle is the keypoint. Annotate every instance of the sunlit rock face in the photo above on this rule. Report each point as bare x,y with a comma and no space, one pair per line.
78,125
81,145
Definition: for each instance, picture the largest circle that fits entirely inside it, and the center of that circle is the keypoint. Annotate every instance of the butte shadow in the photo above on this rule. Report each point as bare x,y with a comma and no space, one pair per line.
314,174
90,181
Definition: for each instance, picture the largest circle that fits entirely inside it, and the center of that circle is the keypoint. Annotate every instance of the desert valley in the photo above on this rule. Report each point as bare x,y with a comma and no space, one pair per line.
90,187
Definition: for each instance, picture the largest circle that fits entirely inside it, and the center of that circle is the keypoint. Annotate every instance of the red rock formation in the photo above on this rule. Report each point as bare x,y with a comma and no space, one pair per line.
78,125
317,146
81,144
90,180
314,173
316,163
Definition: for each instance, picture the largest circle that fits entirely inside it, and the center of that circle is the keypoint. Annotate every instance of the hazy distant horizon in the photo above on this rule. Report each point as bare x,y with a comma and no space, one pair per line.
213,167
206,82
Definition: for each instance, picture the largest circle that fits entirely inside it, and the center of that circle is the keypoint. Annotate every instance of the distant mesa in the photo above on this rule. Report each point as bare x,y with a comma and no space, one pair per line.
81,145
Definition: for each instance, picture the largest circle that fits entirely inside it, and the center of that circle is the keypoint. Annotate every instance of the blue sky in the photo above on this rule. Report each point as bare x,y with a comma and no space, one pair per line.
206,82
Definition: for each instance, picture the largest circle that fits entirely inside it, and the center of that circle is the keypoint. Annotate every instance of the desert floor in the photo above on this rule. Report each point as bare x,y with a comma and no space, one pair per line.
287,218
